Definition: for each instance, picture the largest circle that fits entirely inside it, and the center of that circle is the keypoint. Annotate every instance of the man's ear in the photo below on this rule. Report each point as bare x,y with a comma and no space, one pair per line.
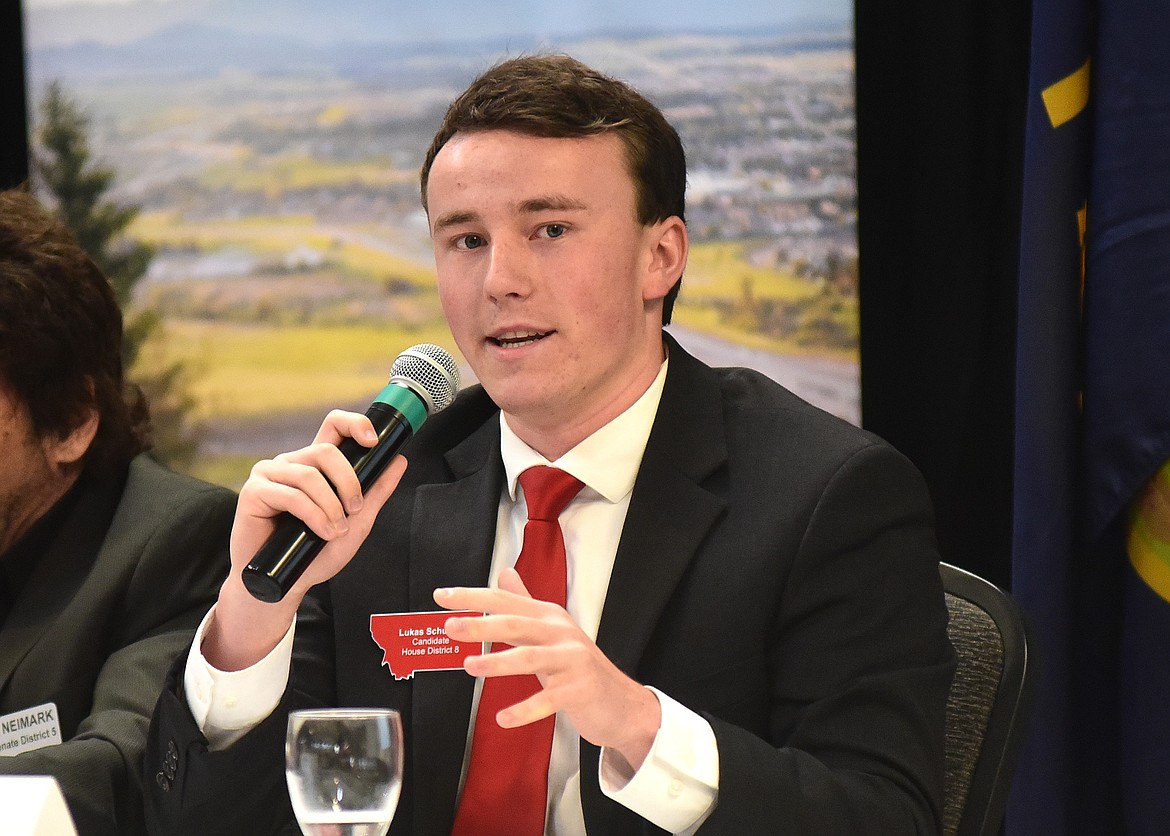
69,449
669,247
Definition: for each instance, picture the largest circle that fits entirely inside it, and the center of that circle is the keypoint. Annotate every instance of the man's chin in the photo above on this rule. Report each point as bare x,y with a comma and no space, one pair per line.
525,399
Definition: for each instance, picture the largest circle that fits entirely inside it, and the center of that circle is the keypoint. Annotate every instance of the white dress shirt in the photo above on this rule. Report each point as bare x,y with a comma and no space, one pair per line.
677,784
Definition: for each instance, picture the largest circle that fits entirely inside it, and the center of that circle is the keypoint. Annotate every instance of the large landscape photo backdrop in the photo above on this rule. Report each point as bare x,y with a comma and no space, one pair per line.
272,149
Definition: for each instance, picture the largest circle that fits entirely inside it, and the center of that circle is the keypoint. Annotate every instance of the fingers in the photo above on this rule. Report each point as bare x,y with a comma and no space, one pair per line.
520,659
510,614
516,630
544,662
336,428
509,596
299,482
302,483
575,677
536,707
510,581
316,483
607,707
340,425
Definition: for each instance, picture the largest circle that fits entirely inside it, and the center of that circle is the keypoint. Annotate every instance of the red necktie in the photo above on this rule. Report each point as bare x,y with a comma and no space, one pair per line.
507,777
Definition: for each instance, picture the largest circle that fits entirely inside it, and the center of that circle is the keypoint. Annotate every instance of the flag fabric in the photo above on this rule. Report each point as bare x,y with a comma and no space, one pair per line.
1053,206
1127,381
1093,420
1145,673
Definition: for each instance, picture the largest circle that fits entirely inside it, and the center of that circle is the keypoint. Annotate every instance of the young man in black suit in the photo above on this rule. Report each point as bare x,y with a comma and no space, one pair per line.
107,559
754,637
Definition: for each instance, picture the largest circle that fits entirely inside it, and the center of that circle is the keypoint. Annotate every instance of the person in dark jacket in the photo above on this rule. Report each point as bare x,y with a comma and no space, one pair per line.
753,638
107,559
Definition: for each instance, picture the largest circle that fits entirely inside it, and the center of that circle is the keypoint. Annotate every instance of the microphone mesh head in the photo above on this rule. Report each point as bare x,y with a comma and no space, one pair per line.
430,372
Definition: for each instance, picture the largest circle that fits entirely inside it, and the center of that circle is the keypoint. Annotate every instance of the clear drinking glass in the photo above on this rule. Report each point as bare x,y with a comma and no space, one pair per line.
344,769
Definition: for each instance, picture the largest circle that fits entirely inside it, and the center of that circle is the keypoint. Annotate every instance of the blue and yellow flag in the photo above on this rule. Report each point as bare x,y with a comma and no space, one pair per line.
1093,419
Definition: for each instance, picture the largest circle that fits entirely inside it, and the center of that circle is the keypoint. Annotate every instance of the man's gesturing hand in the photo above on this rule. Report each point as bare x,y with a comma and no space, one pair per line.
606,706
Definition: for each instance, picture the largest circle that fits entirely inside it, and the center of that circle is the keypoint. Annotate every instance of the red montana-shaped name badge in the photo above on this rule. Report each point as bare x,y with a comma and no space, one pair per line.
416,641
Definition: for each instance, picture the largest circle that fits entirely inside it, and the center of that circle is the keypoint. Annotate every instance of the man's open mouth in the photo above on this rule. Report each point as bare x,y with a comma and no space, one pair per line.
517,339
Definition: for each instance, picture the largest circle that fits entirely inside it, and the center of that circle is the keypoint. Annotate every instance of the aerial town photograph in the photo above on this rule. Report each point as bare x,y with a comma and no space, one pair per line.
266,165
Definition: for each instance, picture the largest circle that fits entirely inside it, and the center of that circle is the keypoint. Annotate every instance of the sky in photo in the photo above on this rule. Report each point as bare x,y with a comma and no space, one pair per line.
64,22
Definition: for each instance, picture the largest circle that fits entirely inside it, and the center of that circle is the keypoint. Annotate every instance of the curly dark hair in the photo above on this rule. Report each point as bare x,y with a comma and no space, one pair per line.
61,336
557,96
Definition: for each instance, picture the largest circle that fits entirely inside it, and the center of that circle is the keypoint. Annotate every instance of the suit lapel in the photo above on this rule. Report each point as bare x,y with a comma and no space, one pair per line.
669,516
670,511
446,552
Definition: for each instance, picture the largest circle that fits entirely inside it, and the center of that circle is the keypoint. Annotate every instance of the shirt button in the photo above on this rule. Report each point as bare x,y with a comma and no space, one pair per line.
230,702
675,789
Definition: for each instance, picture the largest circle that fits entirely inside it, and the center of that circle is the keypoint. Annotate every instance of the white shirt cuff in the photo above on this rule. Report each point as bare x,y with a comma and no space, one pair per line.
677,785
227,705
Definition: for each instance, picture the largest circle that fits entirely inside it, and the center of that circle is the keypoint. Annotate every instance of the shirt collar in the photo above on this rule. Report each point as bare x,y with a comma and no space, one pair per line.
607,461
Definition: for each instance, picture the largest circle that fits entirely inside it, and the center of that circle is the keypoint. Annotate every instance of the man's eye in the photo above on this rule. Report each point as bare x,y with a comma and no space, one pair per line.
469,242
554,230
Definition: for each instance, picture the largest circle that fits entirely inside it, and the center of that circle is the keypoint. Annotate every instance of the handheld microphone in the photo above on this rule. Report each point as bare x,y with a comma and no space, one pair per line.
423,380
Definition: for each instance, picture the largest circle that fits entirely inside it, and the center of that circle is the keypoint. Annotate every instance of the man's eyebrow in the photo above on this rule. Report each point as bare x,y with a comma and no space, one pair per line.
545,203
453,219
553,202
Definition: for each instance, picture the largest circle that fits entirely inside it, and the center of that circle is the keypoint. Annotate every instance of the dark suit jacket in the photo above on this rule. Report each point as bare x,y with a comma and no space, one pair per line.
777,572
112,602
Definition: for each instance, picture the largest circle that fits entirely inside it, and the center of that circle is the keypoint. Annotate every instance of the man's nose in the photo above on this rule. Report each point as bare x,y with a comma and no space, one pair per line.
509,270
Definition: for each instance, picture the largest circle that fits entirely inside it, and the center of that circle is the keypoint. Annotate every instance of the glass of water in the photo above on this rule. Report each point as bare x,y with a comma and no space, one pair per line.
344,769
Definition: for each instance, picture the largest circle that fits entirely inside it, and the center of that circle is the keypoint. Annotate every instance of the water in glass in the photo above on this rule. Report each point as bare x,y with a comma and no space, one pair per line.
344,770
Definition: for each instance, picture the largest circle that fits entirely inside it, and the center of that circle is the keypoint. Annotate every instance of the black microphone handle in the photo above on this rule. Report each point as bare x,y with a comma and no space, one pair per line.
287,553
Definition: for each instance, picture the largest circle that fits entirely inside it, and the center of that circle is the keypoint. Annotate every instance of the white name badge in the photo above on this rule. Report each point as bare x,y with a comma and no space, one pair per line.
29,729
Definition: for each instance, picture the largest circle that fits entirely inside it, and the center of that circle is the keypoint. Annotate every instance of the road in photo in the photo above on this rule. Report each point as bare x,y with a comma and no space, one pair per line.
833,385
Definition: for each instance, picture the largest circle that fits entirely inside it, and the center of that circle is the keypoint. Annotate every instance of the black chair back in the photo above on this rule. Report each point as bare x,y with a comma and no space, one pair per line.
988,703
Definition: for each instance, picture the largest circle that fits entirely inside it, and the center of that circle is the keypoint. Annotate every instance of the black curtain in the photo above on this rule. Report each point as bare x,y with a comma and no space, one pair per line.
941,98
13,133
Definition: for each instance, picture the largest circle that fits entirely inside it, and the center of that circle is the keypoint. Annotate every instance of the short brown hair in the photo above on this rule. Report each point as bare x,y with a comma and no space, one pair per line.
557,96
61,335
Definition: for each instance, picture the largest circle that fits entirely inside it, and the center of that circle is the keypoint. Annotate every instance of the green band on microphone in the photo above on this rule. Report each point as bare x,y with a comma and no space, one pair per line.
406,402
